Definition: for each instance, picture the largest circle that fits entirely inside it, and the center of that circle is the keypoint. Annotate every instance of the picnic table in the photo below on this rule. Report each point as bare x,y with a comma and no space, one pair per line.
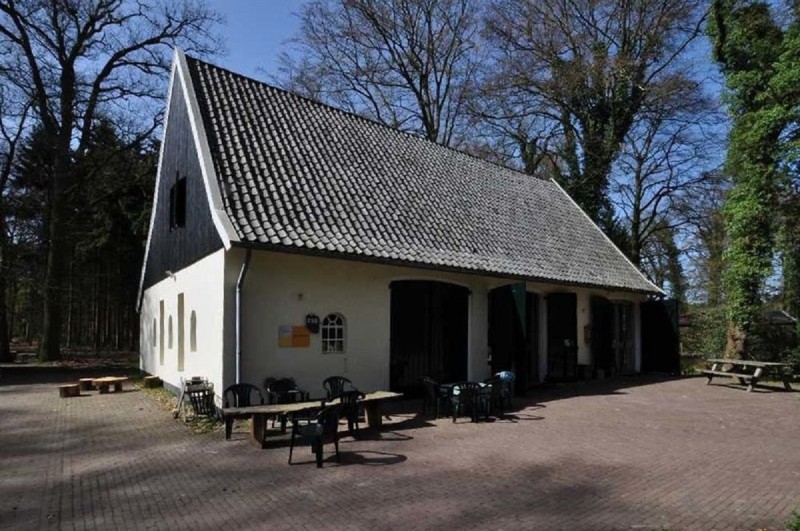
749,372
261,414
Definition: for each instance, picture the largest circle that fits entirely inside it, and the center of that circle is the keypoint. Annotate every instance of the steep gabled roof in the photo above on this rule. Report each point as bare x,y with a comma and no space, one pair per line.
297,175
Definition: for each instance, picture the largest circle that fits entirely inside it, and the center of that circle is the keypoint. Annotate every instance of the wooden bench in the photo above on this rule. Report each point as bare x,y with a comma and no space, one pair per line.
104,384
748,372
68,390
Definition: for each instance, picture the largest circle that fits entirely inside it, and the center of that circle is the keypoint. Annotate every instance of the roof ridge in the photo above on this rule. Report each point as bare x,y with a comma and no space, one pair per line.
367,119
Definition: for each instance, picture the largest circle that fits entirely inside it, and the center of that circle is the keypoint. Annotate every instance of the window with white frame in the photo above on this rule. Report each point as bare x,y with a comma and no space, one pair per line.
332,331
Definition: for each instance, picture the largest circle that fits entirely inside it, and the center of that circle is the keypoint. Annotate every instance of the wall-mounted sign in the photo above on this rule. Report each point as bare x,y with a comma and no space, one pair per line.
293,336
312,323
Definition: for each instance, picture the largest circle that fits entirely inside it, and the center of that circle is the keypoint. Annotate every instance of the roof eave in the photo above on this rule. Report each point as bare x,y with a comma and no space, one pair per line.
319,253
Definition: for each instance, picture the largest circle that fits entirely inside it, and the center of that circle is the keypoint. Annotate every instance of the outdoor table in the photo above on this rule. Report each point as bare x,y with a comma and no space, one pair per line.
748,372
261,414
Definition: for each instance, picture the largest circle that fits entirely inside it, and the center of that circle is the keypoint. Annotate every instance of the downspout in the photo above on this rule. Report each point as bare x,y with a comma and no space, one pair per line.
239,283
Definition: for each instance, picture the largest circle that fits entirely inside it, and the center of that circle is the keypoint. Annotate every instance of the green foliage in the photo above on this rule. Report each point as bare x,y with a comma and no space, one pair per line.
706,335
793,523
760,62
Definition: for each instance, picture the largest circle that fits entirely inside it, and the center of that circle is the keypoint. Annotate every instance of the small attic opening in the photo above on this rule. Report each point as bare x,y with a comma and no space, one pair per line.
177,204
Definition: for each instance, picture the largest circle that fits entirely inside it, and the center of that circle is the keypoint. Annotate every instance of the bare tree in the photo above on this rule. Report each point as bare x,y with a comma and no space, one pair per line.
584,68
14,120
707,237
75,59
407,63
665,159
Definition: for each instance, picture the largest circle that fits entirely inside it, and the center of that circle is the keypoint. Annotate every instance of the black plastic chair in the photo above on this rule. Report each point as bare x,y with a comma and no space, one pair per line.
283,391
325,428
472,397
348,401
239,395
336,385
435,396
507,379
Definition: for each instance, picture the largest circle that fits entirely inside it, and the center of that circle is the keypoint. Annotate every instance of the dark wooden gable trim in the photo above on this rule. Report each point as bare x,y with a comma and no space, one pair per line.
182,227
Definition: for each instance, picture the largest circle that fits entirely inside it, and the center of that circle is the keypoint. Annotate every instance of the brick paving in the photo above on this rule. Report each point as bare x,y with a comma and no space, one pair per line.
633,453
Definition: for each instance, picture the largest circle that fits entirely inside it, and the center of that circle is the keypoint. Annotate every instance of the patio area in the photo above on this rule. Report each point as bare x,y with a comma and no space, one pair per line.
627,453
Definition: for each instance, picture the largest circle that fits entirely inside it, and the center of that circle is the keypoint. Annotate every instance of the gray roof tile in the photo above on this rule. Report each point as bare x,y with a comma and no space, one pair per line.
300,174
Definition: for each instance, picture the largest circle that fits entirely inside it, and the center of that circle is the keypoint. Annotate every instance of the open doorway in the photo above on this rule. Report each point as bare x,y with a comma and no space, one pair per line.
612,337
428,334
562,337
514,333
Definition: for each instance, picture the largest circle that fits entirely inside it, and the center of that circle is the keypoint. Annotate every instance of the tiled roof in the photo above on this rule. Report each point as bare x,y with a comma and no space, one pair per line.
297,174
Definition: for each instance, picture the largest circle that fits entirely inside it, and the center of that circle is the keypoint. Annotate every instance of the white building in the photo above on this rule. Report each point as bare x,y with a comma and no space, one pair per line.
273,211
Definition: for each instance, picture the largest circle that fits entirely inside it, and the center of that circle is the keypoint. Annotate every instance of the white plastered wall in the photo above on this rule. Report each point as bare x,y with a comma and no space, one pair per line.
202,284
281,289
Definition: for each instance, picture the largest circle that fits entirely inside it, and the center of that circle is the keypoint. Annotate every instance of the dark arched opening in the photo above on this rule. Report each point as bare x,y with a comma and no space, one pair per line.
429,333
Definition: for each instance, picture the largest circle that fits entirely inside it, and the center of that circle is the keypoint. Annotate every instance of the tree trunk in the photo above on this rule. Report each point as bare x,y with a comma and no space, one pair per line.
5,340
55,275
736,345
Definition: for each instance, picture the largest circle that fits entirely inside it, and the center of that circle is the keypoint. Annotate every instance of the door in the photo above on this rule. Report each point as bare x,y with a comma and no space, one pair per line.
623,338
602,335
428,334
514,333
562,337
660,336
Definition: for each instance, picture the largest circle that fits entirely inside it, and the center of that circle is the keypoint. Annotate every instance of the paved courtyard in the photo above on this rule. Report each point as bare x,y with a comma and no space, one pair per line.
633,453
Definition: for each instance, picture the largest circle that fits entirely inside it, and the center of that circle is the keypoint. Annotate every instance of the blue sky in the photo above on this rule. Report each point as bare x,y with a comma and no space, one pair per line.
255,33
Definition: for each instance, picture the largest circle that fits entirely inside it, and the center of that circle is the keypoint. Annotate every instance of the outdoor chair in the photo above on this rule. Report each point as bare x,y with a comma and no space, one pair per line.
336,385
239,395
348,401
198,393
435,396
325,428
472,397
507,387
283,391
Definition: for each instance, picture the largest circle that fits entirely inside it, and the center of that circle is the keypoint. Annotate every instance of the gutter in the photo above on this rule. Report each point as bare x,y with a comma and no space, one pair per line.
239,284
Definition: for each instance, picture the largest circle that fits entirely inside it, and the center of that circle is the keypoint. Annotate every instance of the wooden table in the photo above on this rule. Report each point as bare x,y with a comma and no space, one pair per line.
105,383
748,372
261,414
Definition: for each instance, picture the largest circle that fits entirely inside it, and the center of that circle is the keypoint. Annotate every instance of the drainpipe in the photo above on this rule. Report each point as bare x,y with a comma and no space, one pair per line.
239,283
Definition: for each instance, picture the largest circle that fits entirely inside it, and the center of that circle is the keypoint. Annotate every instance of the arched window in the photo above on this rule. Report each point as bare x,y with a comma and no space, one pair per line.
169,333
193,332
333,333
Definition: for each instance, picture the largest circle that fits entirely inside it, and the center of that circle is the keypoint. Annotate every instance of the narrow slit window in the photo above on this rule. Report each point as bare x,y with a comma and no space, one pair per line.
193,332
333,333
155,332
177,204
169,333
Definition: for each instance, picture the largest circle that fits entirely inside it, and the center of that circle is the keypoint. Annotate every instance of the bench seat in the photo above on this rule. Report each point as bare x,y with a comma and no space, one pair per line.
728,373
